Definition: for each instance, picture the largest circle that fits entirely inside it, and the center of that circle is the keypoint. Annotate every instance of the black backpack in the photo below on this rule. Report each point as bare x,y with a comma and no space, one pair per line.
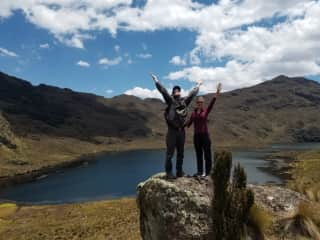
180,114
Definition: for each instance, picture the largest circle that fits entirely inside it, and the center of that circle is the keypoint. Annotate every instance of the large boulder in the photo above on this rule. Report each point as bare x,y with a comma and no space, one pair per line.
179,209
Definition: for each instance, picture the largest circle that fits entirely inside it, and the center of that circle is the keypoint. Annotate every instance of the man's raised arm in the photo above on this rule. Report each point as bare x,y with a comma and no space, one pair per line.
193,93
162,89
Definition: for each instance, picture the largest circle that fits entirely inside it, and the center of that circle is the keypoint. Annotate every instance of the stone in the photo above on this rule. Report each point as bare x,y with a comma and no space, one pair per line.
179,209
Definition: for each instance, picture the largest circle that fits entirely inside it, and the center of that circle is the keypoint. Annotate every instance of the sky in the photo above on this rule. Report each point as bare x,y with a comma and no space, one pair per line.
109,47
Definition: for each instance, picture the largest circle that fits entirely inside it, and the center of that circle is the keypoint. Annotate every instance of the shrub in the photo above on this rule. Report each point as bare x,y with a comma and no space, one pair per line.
260,219
231,203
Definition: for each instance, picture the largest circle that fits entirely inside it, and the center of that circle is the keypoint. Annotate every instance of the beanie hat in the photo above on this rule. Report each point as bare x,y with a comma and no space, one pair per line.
175,88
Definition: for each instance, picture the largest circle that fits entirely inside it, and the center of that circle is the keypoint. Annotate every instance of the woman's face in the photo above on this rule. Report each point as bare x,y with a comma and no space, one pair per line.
200,103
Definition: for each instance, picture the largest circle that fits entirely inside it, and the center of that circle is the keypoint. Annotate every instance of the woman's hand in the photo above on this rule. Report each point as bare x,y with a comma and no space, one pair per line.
219,87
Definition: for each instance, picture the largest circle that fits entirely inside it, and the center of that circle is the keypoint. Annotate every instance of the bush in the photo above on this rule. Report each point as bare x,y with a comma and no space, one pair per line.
231,202
260,219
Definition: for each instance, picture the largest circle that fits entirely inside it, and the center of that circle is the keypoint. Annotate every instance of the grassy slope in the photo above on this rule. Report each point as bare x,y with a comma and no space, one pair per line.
305,172
116,219
53,126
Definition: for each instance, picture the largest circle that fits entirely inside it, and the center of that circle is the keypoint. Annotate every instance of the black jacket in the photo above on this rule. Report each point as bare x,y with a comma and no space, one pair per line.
176,112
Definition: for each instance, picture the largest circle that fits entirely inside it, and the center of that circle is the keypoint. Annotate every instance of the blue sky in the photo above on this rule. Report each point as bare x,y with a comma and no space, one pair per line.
57,66
238,43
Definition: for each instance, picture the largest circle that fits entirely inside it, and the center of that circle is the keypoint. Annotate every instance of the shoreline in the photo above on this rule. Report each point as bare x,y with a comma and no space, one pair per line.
34,175
88,158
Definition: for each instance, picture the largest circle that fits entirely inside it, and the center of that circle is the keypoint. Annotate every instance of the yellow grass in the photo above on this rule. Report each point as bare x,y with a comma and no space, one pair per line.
260,218
6,209
305,172
115,219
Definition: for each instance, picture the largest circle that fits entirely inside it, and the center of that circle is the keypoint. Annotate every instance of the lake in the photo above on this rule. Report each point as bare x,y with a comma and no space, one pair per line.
116,175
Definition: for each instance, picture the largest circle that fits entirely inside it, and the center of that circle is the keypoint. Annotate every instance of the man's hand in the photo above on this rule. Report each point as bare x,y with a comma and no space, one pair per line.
154,78
199,83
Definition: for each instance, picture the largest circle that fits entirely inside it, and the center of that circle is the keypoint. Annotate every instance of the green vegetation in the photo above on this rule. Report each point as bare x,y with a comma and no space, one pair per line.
305,174
115,219
305,178
44,127
260,219
231,202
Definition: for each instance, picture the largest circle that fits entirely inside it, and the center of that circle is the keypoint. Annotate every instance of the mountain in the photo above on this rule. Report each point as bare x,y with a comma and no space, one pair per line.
42,126
62,112
280,110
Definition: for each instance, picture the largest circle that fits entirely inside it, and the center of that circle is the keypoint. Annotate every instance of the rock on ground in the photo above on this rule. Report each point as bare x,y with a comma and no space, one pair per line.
179,209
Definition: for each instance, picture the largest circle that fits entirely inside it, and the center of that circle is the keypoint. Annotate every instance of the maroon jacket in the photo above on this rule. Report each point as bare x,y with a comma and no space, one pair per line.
200,119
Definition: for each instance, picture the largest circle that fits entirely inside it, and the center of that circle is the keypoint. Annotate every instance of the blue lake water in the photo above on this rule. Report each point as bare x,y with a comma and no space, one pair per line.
115,175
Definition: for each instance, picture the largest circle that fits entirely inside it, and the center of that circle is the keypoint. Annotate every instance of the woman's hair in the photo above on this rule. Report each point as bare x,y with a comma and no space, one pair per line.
200,99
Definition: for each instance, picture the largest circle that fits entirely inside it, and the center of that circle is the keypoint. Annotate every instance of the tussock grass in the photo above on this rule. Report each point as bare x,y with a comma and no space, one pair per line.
114,219
305,175
6,209
311,211
302,228
260,219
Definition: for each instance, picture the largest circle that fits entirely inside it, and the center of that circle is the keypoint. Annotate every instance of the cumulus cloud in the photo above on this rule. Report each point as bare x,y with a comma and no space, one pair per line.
143,92
149,93
7,53
83,64
177,60
117,48
144,55
250,40
109,91
110,62
257,52
44,46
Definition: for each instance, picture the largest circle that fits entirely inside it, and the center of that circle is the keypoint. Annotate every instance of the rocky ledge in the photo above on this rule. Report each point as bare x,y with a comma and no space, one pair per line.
180,208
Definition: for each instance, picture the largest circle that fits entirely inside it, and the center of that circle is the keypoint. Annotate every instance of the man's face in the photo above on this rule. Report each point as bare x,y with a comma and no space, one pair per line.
176,93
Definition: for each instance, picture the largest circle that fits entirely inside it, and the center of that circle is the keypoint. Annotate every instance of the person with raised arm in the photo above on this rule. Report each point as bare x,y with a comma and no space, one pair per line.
201,138
176,116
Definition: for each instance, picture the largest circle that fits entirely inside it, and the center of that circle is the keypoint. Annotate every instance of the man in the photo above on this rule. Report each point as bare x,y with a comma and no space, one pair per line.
175,115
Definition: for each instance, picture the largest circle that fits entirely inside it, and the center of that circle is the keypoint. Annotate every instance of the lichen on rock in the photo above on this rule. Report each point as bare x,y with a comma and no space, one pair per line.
179,209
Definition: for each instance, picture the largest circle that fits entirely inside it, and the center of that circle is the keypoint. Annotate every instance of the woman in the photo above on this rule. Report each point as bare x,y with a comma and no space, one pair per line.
201,139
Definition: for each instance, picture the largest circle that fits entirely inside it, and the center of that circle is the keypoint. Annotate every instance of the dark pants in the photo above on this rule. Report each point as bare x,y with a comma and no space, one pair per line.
175,140
202,144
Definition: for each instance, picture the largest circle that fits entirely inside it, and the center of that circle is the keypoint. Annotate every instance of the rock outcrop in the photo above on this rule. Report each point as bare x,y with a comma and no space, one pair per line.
7,138
180,208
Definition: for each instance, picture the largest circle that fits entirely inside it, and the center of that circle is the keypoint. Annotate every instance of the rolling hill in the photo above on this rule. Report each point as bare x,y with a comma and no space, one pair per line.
44,126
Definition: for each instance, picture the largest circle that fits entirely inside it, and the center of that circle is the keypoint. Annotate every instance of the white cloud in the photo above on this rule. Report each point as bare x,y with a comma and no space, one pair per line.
109,91
149,93
143,93
252,40
117,48
7,53
177,60
110,62
83,64
258,52
44,46
144,55
144,46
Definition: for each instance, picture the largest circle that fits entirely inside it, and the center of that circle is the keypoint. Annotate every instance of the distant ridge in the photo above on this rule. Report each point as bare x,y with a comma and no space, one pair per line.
47,124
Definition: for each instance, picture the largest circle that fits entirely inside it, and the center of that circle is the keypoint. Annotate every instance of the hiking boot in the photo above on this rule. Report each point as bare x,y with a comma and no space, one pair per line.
180,174
197,174
169,175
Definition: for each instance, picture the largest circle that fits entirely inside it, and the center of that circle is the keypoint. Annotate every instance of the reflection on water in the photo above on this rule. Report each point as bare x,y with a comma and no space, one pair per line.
117,175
